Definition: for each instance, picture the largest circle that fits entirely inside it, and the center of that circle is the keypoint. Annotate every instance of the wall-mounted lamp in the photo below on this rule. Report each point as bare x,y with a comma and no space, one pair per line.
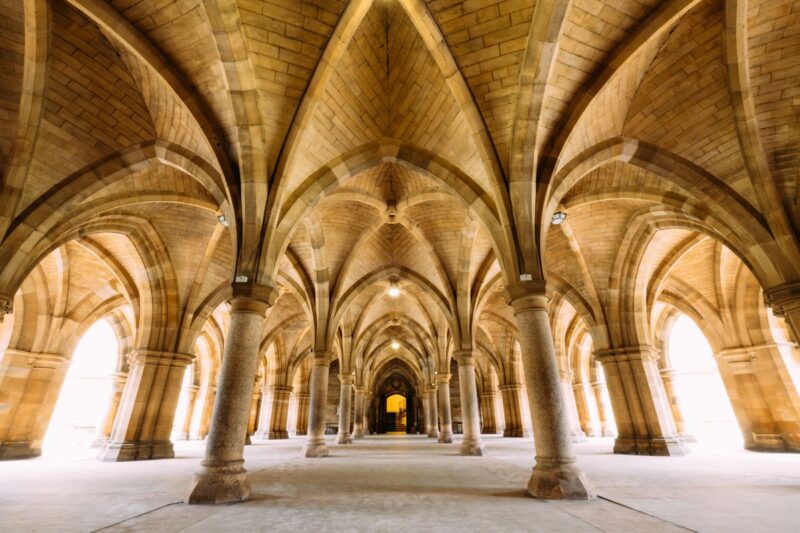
395,345
559,217
223,219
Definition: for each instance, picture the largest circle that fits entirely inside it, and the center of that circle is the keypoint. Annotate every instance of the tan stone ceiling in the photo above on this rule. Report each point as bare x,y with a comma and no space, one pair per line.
354,144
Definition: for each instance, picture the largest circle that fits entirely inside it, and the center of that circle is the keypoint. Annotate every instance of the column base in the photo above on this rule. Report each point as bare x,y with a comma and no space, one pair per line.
489,431
315,449
278,435
300,433
559,481
445,437
657,446
344,439
18,450
772,442
472,448
513,433
358,434
183,436
219,484
131,451
98,442
609,433
433,434
578,437
247,440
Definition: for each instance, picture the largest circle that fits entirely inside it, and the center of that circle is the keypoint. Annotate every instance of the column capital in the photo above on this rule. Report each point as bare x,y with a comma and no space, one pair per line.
154,357
280,388
359,389
346,379
783,298
36,360
251,297
527,295
487,394
443,378
510,386
464,357
642,352
323,358
668,374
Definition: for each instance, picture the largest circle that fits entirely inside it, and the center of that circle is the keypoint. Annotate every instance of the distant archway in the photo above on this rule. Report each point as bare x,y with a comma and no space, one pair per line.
396,420
85,393
704,401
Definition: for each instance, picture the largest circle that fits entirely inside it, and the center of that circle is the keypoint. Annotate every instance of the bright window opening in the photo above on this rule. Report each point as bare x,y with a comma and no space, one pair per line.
701,393
85,394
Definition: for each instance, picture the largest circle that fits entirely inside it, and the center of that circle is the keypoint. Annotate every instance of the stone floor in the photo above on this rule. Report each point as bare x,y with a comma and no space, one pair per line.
408,484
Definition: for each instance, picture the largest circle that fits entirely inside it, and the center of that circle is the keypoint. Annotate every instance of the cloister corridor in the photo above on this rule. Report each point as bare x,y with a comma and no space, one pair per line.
408,483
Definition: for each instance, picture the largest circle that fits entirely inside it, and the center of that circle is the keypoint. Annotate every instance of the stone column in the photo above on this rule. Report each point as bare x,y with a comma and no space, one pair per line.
209,397
343,436
29,385
512,409
584,419
445,418
186,424
147,408
274,412
555,474
303,400
315,446
763,396
488,412
668,377
572,408
278,422
222,478
367,401
252,420
106,424
641,409
262,432
434,412
602,410
358,422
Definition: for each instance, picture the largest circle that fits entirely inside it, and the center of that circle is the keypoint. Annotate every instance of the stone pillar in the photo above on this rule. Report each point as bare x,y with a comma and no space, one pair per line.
303,400
575,430
641,408
186,423
204,423
431,395
106,424
668,377
555,474
252,419
512,409
222,478
367,401
29,387
602,410
763,396
315,446
146,412
274,412
488,412
445,418
358,415
584,419
343,436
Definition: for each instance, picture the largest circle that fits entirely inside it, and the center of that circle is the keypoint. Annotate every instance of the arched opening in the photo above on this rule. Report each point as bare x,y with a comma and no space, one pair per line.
85,393
699,389
396,411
